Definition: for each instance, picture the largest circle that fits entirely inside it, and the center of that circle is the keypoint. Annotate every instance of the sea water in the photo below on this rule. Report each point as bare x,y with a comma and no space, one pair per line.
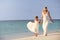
18,28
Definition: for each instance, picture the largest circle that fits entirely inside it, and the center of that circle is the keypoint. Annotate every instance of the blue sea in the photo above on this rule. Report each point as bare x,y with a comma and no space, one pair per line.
18,28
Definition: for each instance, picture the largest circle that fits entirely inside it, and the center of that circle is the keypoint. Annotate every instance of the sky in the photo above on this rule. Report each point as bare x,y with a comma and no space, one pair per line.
27,9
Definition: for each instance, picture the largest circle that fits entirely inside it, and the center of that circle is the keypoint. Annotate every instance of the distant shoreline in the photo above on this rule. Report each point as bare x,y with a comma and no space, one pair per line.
27,20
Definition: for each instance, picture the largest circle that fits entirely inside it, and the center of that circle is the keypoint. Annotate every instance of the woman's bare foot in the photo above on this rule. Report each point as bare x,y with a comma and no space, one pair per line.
36,34
45,34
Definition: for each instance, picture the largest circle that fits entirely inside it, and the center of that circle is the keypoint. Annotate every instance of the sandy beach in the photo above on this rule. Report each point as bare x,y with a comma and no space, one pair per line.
51,36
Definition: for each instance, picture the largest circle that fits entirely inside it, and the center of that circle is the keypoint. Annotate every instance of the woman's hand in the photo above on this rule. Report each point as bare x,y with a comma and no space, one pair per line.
51,20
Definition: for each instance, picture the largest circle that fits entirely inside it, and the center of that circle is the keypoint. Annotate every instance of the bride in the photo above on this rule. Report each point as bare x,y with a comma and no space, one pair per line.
46,18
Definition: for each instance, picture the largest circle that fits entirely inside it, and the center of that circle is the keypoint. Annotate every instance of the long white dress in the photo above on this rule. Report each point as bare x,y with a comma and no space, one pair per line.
33,26
46,20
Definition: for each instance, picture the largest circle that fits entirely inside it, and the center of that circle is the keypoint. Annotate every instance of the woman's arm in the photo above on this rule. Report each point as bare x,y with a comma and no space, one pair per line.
40,21
42,15
50,16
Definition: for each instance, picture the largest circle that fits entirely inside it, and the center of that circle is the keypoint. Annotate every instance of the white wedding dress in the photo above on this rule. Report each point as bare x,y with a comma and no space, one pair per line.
33,26
46,20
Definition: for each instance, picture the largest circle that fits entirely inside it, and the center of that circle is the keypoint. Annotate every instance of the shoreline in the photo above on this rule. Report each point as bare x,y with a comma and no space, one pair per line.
50,36
30,36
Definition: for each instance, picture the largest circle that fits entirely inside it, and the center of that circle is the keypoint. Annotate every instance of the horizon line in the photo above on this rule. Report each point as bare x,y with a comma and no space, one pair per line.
23,20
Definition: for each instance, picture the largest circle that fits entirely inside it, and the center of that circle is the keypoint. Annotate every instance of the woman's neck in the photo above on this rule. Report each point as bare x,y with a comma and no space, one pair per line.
45,11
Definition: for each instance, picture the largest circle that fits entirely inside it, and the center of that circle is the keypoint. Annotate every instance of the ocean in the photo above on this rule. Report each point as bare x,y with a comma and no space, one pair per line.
18,28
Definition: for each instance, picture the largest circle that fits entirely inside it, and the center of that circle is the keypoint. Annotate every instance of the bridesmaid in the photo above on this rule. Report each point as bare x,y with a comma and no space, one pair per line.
33,26
36,26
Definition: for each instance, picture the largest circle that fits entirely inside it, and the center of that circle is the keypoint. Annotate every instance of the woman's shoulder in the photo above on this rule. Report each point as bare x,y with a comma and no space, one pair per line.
48,12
